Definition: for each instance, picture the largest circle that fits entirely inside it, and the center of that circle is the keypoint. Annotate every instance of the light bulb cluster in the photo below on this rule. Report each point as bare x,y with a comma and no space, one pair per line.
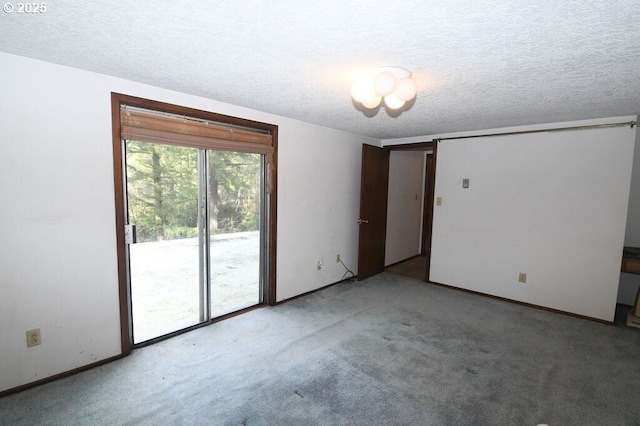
392,84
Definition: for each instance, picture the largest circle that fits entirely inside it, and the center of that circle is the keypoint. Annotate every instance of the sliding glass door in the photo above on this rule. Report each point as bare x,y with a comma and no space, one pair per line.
235,221
198,247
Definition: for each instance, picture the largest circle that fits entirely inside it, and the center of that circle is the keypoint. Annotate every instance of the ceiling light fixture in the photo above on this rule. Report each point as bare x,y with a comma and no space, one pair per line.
392,84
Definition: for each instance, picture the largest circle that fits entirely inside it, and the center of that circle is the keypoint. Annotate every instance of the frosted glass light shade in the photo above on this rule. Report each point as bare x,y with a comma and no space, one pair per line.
363,90
406,89
385,83
393,84
392,101
372,102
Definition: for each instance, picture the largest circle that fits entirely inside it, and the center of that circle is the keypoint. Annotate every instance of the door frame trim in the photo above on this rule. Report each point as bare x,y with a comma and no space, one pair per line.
117,100
426,204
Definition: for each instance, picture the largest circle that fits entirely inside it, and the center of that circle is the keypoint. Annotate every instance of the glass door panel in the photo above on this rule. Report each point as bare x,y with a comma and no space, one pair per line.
165,264
235,194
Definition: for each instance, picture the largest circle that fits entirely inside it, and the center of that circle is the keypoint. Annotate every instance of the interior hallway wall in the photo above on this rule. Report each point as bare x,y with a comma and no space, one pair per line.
404,207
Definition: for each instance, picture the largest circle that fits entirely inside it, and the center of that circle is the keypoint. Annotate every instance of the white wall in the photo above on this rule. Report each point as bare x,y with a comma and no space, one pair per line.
552,205
404,206
319,204
58,268
629,282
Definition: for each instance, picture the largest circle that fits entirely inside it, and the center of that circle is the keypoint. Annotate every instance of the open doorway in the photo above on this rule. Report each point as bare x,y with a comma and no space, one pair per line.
374,203
408,213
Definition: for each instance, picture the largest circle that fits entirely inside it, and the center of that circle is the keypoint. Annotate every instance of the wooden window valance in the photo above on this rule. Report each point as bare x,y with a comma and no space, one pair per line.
171,129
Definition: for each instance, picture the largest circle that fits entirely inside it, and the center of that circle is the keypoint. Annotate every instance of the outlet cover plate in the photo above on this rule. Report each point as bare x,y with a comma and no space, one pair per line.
33,337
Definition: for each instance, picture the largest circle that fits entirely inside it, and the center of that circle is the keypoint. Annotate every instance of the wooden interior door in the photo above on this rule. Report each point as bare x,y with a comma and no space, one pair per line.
373,211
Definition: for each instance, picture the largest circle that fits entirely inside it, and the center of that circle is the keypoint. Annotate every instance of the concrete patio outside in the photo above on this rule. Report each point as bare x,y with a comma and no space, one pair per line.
165,281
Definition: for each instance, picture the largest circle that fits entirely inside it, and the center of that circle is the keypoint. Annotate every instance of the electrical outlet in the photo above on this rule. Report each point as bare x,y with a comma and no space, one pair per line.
33,337
319,264
522,277
337,258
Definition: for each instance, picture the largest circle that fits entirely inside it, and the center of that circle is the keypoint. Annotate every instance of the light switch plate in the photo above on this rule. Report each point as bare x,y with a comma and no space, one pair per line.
465,183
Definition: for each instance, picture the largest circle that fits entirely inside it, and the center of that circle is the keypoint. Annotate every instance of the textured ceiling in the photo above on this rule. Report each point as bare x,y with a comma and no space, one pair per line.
479,64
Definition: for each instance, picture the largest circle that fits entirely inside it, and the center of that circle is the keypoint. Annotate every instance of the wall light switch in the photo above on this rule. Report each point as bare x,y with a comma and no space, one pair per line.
439,201
465,183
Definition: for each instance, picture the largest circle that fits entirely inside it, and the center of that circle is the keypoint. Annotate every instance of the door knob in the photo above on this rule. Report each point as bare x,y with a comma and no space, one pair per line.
362,221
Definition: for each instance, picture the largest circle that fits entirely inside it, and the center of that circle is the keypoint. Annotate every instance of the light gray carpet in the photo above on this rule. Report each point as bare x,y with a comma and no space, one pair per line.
385,351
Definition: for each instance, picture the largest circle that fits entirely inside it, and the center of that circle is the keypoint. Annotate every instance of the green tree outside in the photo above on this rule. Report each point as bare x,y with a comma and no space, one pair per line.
162,184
